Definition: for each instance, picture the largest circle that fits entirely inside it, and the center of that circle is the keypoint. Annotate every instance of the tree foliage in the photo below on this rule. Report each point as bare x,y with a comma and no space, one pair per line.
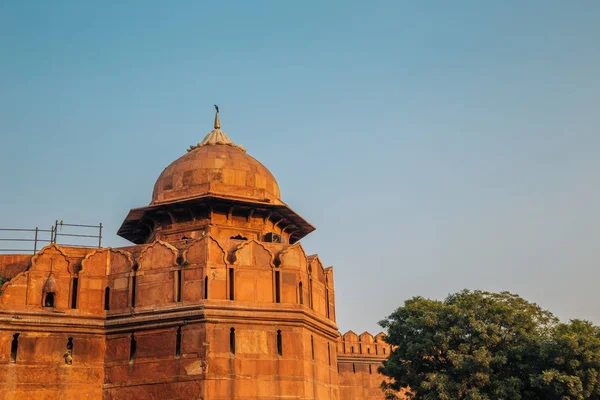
481,345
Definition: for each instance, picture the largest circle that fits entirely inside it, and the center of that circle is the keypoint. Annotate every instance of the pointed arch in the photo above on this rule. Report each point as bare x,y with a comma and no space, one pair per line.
157,255
199,252
106,261
380,338
51,257
253,252
366,337
293,257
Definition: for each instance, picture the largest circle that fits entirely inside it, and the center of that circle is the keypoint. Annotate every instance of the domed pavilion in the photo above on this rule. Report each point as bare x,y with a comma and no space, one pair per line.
214,176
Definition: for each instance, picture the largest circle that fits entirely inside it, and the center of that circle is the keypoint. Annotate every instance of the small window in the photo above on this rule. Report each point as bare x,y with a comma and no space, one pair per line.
74,290
368,350
68,356
277,288
279,343
312,347
49,301
133,286
352,349
132,347
178,343
273,237
14,347
178,286
384,351
107,298
353,368
370,369
231,284
300,293
206,287
232,341
329,353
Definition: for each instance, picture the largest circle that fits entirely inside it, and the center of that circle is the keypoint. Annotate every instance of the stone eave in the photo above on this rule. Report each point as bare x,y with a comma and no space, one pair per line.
136,230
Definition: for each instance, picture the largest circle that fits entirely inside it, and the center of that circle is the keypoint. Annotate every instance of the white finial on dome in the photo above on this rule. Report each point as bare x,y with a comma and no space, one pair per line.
216,136
217,122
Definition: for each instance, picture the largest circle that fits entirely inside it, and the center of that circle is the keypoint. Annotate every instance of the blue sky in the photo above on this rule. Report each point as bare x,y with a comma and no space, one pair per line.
435,145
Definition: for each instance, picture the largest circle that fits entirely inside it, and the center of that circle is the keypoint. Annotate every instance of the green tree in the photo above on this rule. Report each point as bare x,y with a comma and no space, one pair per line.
481,345
570,363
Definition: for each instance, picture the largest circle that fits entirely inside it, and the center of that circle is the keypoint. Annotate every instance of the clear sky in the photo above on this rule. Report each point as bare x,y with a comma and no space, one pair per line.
435,145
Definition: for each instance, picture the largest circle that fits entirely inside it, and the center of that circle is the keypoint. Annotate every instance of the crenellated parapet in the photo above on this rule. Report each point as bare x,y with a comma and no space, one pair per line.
158,275
359,358
351,344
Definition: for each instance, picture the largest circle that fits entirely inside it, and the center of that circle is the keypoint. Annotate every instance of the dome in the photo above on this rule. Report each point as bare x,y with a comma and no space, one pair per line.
214,173
216,167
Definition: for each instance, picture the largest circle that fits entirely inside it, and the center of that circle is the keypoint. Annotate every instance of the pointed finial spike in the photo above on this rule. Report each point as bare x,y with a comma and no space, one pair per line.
217,122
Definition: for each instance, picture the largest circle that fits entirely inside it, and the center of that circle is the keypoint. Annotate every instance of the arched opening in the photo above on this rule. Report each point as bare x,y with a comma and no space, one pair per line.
238,237
132,347
279,343
277,288
68,356
14,347
206,287
178,343
49,300
106,298
74,290
232,341
300,293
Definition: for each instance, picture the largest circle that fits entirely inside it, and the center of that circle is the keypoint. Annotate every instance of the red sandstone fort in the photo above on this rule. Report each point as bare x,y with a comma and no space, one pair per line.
217,300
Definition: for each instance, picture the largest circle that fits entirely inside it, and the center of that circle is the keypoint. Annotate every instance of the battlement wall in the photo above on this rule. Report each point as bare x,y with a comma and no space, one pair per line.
359,357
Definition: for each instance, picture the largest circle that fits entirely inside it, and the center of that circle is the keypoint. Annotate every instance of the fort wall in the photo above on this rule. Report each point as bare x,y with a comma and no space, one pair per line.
157,320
